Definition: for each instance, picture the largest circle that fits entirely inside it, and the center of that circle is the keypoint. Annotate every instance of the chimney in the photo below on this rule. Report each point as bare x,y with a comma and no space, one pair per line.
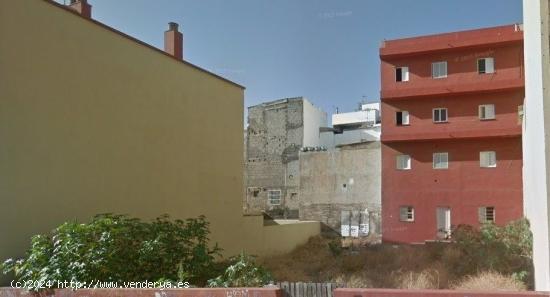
173,41
82,7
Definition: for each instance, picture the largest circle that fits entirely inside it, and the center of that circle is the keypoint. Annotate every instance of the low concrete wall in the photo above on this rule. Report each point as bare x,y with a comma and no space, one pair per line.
194,292
430,293
283,238
279,238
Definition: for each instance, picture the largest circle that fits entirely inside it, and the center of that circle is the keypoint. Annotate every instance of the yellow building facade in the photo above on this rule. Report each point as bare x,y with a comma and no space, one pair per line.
93,121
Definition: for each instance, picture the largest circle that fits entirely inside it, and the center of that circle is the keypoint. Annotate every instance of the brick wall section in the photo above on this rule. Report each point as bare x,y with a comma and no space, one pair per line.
192,292
430,293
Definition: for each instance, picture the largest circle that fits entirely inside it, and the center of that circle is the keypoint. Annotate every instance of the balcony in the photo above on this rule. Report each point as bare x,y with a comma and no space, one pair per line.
407,47
457,134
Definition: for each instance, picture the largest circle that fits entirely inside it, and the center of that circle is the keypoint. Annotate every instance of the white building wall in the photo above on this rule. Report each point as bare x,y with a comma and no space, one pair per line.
536,175
330,140
369,113
314,118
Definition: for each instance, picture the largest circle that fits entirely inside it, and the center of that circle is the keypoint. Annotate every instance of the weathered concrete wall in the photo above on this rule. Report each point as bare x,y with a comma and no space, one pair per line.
313,119
337,180
275,134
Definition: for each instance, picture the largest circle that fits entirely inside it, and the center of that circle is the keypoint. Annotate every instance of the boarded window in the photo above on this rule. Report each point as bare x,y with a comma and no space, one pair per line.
406,214
441,160
274,197
486,214
254,191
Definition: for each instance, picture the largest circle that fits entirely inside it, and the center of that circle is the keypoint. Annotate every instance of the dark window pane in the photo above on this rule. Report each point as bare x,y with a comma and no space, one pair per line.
481,66
399,118
398,74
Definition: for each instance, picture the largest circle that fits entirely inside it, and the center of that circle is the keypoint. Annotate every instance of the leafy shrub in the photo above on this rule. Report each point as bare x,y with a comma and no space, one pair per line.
242,272
119,248
490,281
507,250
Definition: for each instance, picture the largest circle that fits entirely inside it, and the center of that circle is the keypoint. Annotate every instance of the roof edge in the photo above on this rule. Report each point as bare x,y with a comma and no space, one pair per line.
104,26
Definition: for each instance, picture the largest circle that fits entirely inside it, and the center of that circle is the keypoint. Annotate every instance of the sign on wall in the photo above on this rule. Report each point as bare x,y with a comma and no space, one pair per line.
354,223
345,219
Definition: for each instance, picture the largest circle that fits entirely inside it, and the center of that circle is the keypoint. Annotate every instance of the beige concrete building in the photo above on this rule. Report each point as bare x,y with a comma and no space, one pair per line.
94,121
277,130
340,187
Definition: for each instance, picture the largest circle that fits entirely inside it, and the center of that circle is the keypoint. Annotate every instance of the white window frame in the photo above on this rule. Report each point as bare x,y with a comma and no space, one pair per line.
440,109
404,74
489,65
439,69
405,118
482,214
403,162
438,157
486,107
406,213
488,159
270,197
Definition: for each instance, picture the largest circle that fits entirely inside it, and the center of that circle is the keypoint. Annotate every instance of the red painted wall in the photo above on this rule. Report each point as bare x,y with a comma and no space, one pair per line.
462,72
463,119
464,186
469,39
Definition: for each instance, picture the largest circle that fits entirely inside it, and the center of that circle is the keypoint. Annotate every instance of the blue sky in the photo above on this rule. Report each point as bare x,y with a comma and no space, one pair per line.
325,50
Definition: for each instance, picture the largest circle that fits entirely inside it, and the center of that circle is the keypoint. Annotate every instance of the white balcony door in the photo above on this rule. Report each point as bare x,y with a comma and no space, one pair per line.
443,216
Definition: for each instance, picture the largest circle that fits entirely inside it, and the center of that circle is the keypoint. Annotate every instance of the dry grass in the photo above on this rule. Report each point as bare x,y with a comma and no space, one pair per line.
490,281
427,279
380,266
356,280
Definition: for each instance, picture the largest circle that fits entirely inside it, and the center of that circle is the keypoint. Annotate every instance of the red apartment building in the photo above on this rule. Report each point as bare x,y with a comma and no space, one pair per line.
451,132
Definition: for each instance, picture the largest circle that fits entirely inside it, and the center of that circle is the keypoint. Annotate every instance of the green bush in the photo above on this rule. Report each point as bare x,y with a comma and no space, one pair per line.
506,250
242,272
119,248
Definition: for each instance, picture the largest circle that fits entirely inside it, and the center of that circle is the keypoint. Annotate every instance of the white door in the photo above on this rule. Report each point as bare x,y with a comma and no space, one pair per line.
443,216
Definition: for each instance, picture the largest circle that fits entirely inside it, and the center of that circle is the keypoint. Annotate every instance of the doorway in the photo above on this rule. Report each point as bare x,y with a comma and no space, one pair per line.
443,216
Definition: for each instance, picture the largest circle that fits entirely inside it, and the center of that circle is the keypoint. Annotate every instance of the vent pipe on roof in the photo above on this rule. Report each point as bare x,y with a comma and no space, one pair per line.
173,41
82,7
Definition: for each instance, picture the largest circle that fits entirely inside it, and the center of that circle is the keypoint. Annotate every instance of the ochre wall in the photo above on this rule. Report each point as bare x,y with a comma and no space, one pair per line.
93,122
